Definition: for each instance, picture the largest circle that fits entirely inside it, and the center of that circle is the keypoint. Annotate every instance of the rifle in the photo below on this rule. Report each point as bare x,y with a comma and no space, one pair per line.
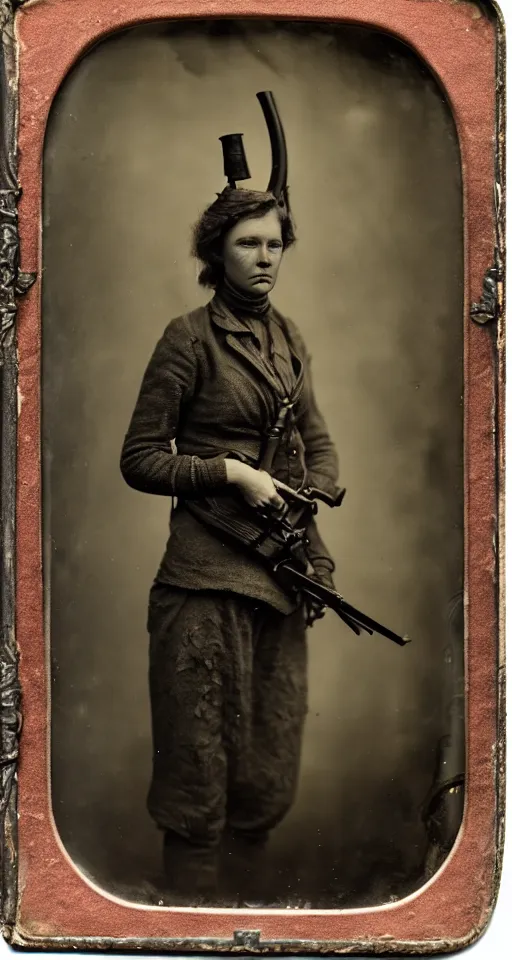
279,539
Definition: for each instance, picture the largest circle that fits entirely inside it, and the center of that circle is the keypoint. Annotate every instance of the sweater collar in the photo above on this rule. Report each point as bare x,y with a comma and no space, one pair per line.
225,318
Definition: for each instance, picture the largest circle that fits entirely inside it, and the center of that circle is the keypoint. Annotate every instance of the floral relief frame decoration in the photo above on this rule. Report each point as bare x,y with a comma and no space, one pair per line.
45,902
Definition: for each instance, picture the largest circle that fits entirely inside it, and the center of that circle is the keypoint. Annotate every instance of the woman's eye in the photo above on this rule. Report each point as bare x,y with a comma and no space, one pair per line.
247,243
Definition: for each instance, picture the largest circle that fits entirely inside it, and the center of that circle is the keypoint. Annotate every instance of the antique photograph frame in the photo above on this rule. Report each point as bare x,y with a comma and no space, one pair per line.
46,903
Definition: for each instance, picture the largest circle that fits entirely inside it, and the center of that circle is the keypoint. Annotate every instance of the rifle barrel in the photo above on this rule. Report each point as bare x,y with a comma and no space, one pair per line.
373,625
349,614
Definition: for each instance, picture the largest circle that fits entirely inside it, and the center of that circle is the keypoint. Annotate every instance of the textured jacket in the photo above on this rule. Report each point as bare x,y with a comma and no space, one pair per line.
208,393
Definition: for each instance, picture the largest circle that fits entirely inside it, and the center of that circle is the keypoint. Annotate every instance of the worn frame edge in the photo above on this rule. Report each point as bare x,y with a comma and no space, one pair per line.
13,284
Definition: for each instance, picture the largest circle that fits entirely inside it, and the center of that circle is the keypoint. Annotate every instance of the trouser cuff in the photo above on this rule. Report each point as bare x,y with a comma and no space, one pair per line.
190,869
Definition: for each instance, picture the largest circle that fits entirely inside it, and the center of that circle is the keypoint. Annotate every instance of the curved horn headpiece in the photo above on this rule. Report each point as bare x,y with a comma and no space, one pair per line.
235,161
279,172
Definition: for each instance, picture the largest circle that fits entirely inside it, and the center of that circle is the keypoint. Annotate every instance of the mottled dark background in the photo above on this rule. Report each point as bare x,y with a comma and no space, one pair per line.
375,284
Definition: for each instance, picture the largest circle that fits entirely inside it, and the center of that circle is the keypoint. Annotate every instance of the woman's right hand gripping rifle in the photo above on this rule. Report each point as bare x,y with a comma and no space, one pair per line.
256,486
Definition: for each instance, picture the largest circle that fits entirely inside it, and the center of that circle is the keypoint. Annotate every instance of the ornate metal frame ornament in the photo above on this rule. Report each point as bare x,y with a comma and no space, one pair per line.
487,313
13,283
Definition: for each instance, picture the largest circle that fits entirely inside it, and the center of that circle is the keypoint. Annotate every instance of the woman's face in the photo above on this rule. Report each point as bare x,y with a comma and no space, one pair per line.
252,253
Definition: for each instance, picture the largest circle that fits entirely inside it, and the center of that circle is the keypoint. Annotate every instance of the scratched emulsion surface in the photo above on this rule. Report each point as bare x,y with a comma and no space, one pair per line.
375,284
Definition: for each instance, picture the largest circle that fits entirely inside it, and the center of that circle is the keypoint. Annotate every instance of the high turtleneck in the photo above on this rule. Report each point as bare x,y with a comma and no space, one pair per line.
257,317
239,301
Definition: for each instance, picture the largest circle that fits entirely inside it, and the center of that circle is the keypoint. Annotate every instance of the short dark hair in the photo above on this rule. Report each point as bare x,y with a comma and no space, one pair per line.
228,209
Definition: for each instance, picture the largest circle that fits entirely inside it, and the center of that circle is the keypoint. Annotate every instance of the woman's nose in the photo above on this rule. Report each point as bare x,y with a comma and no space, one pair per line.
264,257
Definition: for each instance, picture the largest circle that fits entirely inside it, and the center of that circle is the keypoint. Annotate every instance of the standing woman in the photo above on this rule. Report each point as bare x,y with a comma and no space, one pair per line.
228,664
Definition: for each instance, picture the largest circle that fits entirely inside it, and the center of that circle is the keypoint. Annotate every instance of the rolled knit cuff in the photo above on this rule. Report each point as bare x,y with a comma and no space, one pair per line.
209,476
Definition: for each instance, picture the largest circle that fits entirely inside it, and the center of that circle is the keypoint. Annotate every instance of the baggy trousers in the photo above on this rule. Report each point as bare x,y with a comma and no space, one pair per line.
228,686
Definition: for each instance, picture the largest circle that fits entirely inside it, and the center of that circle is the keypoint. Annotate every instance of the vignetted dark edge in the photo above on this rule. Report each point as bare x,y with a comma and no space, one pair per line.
14,283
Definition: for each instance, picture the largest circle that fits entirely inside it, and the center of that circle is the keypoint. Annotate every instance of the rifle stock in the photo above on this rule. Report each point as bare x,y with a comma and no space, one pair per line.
279,540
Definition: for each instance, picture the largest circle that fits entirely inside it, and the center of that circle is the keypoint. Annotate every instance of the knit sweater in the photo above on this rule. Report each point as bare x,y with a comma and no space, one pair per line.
208,392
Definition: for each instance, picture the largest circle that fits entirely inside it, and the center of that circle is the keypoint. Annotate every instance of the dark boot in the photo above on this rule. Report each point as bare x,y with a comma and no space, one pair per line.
243,868
190,871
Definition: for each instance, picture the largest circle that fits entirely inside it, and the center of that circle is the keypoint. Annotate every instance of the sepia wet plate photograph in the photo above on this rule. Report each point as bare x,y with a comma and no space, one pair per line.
251,291
252,408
